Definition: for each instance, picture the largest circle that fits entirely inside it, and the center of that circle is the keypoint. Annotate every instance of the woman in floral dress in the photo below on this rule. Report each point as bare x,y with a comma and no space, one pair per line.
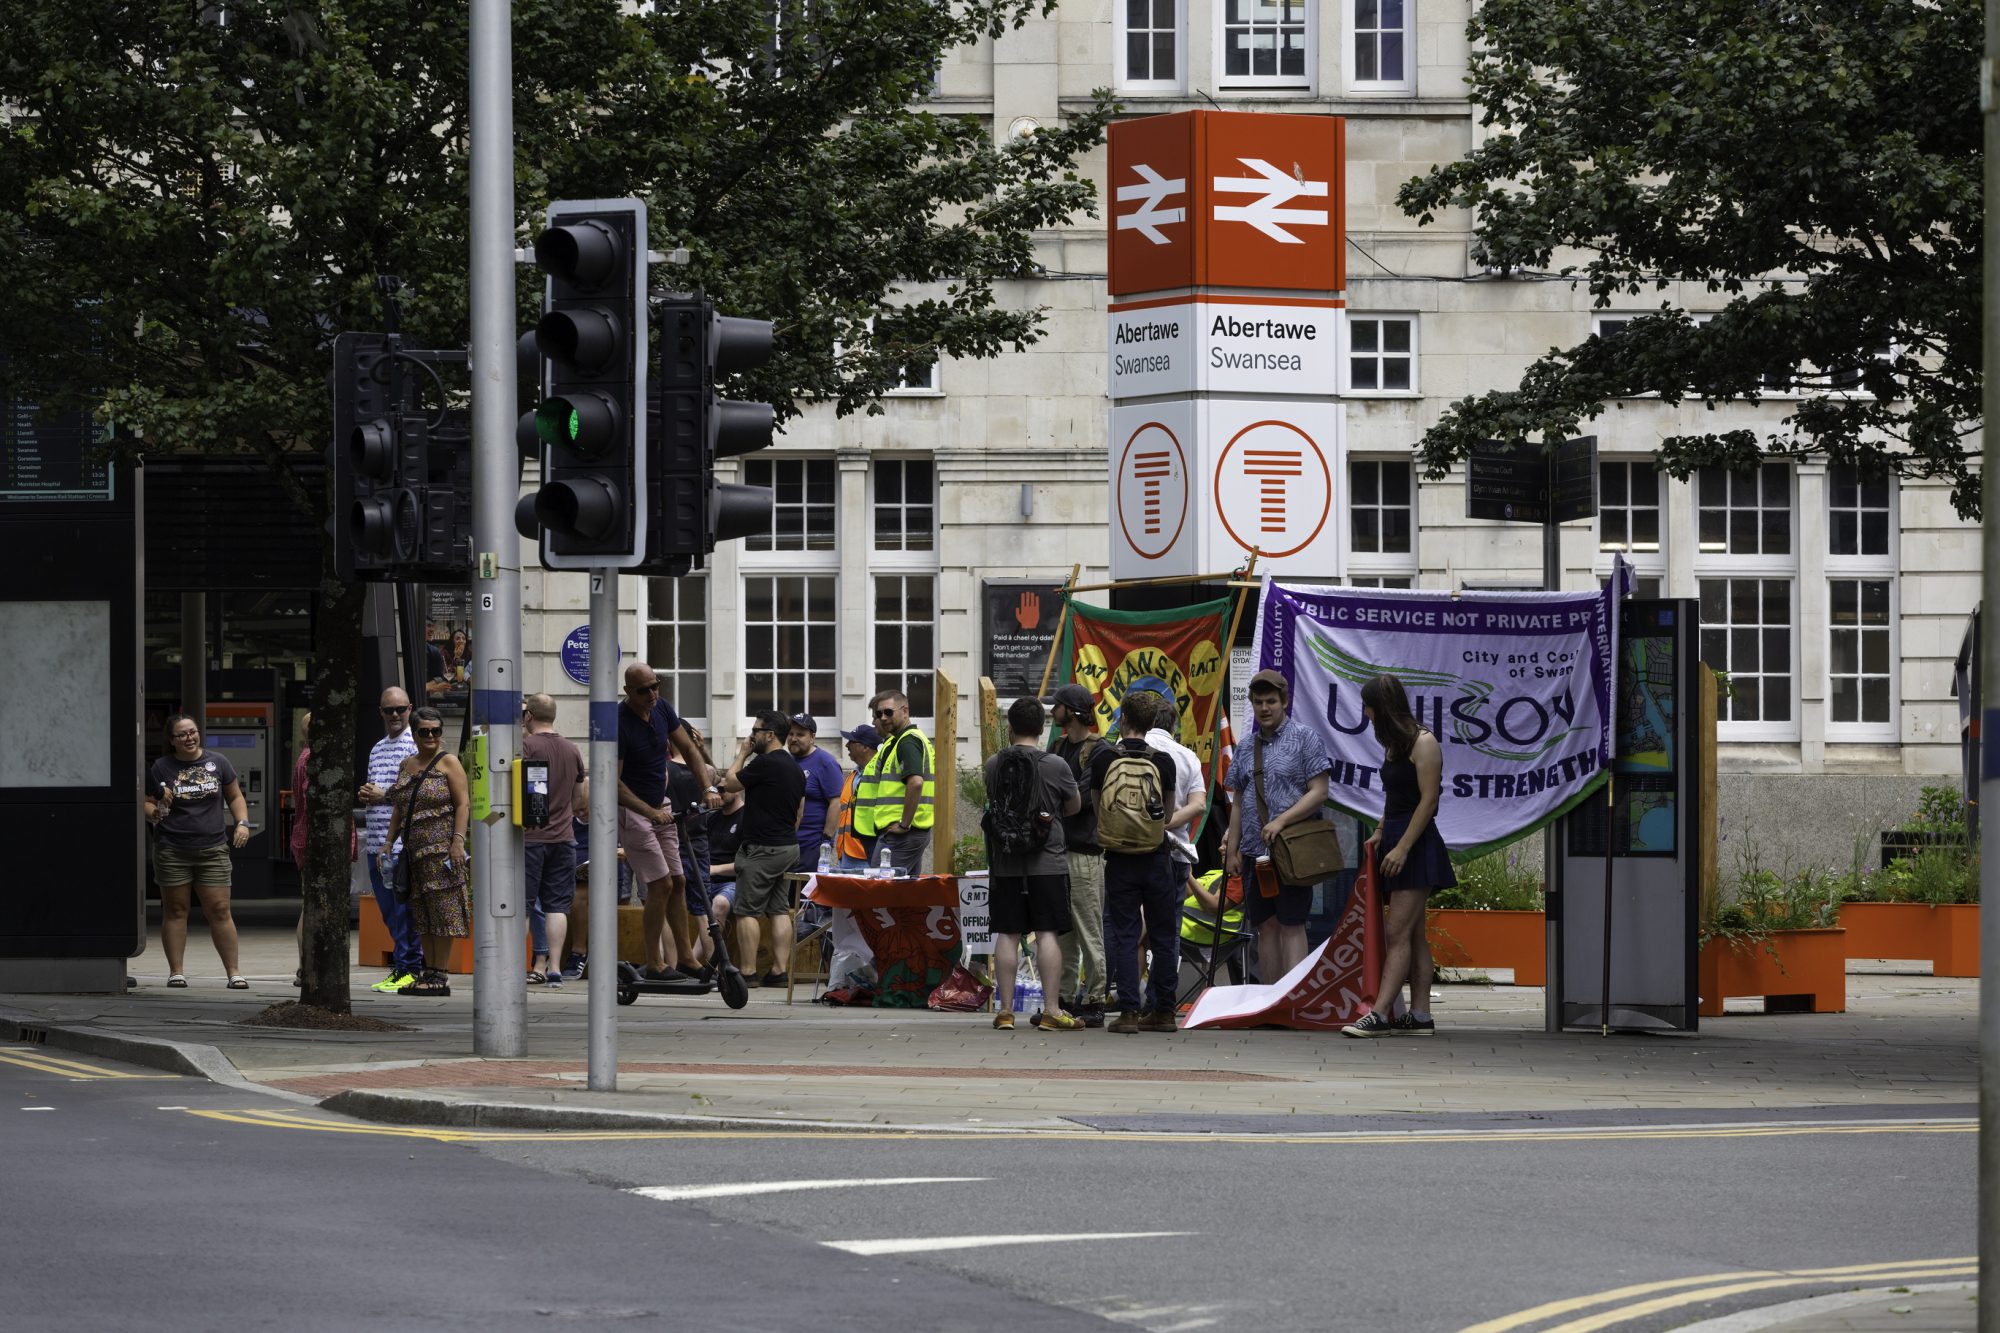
440,893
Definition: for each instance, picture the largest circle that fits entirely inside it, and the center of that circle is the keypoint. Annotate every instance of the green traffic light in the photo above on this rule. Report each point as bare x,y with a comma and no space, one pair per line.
558,422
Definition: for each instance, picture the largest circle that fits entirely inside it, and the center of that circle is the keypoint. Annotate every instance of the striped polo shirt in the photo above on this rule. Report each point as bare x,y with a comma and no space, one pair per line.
384,763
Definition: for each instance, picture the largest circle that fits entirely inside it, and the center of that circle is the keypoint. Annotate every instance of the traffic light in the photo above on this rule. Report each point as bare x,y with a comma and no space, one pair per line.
692,425
402,477
591,509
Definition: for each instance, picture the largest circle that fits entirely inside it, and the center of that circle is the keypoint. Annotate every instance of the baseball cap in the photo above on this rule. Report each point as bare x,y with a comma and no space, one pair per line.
804,722
864,734
1271,680
1073,697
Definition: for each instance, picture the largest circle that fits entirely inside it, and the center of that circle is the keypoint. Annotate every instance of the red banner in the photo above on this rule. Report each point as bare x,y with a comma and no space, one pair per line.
1334,985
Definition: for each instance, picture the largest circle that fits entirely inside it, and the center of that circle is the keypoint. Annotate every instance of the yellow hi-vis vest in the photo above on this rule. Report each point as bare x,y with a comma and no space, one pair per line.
1197,926
878,794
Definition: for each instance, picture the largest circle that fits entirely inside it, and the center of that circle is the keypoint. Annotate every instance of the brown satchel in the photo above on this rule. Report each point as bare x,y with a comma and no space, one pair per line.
1303,853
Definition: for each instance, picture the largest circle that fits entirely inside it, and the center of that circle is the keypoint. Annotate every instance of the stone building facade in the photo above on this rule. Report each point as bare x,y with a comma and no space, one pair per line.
1837,607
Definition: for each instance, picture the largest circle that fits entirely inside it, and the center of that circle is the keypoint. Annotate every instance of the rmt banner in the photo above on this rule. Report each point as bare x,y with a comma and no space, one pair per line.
1516,687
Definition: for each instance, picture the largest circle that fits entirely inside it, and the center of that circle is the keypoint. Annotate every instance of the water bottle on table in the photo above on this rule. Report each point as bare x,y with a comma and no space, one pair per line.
825,857
883,870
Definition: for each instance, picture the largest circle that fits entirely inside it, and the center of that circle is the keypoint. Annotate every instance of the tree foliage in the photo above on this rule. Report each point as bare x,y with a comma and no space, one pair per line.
1817,166
222,197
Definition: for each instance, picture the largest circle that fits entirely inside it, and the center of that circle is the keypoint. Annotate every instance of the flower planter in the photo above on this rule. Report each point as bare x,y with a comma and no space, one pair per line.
1808,973
1946,935
1518,940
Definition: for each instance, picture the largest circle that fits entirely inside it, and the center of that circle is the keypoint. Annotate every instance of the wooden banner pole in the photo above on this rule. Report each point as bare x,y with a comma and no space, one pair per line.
1062,621
1242,581
1165,581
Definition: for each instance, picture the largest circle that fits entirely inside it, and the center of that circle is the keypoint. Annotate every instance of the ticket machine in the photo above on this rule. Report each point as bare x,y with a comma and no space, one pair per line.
1641,839
242,732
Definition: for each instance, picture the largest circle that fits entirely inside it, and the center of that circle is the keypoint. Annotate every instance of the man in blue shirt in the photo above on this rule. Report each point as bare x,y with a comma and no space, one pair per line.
823,780
647,726
1295,766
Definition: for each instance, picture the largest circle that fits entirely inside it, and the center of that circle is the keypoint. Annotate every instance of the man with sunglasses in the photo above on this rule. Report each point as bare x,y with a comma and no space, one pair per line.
385,760
647,727
895,797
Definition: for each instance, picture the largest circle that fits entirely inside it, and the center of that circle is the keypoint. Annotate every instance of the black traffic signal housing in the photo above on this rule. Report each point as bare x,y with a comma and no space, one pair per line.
402,478
591,510
692,426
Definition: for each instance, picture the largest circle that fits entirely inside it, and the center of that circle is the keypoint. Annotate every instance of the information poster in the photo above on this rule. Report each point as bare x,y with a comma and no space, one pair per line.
1020,628
448,649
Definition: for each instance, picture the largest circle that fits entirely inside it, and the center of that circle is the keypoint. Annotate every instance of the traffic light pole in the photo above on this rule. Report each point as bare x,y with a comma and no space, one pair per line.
499,978
602,1016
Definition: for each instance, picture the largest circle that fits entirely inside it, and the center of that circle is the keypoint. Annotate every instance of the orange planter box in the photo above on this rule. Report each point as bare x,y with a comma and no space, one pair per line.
1948,935
1810,969
374,948
1518,940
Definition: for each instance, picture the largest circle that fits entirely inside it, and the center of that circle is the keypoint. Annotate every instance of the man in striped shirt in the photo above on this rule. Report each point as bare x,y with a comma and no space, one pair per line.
384,760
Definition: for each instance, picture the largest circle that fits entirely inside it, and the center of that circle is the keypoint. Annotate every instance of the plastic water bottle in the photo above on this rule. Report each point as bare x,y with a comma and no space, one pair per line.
883,870
825,857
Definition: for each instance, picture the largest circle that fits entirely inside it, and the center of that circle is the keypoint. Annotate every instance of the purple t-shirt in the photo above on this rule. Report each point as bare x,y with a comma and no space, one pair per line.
823,782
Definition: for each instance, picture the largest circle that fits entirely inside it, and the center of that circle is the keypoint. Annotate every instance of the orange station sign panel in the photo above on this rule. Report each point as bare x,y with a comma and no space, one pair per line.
1228,199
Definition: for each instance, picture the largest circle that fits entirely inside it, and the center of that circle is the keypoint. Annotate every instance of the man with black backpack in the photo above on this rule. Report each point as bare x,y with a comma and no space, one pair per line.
1132,783
1028,791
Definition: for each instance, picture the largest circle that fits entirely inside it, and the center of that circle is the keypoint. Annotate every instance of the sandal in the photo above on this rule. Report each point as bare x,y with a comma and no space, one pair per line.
178,981
537,978
239,983
1003,1021
429,984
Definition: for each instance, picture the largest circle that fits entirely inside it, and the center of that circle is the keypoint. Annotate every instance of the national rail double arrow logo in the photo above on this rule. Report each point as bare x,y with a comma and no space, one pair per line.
1269,214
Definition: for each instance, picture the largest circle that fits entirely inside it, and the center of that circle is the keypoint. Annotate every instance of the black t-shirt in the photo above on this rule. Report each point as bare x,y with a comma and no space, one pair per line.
1100,767
199,816
725,828
685,790
1079,829
773,786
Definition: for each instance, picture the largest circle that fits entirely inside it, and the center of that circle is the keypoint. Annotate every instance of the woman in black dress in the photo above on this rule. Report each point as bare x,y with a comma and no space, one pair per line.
1414,863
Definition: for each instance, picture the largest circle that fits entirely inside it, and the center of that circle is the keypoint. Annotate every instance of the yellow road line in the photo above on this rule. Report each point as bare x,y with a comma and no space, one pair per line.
1628,1313
1750,1279
76,1069
276,1119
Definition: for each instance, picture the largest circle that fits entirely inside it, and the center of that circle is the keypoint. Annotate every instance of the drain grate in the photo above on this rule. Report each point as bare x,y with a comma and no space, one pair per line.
35,1036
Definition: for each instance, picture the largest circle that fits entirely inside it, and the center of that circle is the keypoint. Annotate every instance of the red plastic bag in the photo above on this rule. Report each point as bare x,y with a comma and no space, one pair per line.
961,992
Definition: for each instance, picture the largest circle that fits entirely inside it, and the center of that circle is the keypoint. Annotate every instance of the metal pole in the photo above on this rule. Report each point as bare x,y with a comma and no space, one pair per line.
1989,722
602,1013
1551,838
194,658
499,977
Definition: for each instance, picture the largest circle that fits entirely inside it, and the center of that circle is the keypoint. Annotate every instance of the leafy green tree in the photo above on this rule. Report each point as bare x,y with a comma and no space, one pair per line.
222,196
1818,166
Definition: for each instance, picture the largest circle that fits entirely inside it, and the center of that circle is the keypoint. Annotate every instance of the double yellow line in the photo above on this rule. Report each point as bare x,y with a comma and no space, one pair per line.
43,1063
1651,1298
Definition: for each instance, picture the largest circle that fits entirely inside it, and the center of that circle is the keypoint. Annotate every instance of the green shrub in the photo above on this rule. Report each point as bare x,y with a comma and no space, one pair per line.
1947,872
968,854
1940,813
1496,882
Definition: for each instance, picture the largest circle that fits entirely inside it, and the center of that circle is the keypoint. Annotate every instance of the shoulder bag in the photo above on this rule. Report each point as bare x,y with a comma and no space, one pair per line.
1302,853
400,873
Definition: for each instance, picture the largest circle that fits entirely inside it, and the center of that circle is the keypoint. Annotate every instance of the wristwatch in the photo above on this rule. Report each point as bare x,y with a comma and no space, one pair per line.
242,823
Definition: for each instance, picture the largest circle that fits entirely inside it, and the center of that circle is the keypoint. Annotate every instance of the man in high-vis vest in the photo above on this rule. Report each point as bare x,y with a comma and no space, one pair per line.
850,849
895,798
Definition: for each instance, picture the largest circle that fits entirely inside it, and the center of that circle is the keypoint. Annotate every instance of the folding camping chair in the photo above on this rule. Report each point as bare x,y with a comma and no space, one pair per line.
1200,936
811,925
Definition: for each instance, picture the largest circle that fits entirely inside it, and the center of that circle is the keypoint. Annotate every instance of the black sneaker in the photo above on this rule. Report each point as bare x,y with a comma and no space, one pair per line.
1091,1014
1369,1025
663,974
1409,1025
776,980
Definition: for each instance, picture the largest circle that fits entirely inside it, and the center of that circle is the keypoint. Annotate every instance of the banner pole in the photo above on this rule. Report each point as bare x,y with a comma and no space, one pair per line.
1062,619
1242,580
1164,581
1610,820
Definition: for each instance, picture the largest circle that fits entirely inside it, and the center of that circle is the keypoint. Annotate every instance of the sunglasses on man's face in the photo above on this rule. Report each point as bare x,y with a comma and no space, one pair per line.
885,712
429,731
391,710
652,687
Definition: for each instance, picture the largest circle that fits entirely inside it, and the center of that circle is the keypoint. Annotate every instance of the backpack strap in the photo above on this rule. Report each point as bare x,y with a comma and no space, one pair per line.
1257,772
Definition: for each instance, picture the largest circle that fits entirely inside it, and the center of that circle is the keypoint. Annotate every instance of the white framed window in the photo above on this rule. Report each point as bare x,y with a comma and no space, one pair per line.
912,382
805,503
1380,581
1151,45
1381,45
1862,544
1381,354
1266,43
1746,578
1631,521
1860,517
905,507
677,643
790,643
905,647
1381,518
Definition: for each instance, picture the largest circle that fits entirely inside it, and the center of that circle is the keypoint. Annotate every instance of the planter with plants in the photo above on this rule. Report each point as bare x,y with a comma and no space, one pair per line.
1775,940
1492,919
1923,903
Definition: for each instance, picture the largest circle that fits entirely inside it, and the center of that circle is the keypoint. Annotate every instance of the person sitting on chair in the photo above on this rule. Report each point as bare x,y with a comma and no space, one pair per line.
1207,895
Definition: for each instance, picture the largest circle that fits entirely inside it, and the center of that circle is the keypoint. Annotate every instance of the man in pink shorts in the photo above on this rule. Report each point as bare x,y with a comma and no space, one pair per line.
647,725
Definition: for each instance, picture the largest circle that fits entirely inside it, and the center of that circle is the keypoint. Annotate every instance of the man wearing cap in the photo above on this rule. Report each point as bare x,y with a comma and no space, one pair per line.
1083,948
1296,769
822,772
851,851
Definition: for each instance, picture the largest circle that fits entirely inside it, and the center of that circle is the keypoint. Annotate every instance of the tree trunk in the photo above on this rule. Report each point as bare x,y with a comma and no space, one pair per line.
332,781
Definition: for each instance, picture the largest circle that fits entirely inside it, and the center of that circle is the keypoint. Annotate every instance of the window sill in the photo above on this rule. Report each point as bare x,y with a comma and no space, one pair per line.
1392,395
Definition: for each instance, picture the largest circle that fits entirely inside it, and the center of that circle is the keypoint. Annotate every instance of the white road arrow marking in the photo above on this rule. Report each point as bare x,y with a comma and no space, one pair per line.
1149,217
675,1193
1267,213
926,1244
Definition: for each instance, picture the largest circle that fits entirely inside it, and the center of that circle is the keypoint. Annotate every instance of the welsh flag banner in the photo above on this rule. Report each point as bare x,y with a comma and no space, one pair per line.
1176,652
1515,686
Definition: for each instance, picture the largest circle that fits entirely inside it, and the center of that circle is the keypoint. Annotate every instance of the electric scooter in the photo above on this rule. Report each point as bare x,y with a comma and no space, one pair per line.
727,979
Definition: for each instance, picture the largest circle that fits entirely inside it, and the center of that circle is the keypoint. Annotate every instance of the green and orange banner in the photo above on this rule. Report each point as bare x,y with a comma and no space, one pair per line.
1176,652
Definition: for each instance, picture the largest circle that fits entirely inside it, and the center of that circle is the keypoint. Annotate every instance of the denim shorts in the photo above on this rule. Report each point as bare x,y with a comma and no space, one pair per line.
552,875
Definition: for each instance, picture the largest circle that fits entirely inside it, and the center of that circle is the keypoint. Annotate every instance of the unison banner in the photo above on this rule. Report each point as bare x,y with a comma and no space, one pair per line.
1177,653
1515,686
